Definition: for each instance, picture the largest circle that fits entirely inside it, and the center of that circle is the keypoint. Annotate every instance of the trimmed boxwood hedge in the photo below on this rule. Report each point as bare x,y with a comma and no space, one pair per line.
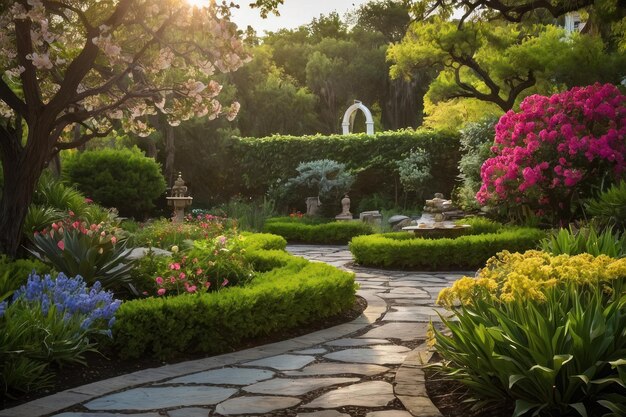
294,292
396,250
304,231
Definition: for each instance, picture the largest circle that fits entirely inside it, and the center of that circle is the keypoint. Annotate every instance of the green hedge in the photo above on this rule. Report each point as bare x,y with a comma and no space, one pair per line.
250,166
323,233
465,252
293,293
122,178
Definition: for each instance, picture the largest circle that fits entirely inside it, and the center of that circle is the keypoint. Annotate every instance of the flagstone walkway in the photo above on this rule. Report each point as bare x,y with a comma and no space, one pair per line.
347,370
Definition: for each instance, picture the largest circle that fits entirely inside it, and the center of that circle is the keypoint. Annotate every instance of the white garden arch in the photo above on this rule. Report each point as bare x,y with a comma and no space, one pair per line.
350,114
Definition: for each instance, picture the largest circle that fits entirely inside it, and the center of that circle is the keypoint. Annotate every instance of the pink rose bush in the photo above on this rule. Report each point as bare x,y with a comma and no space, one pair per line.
556,150
210,265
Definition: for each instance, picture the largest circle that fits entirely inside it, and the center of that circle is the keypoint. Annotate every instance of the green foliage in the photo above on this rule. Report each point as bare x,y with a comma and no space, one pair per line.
481,225
403,250
120,178
414,171
323,233
54,201
586,240
164,233
265,241
15,272
94,252
610,206
322,178
561,356
250,215
476,141
295,293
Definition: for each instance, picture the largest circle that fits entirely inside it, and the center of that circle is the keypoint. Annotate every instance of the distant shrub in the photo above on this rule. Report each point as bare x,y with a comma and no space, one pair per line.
610,206
122,178
402,250
296,230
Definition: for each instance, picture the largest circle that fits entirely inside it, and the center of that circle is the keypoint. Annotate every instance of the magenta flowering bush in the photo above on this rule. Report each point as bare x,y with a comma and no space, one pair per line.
556,150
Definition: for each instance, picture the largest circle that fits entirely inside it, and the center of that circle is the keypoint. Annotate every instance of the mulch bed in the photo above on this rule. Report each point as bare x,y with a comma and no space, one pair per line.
105,365
451,397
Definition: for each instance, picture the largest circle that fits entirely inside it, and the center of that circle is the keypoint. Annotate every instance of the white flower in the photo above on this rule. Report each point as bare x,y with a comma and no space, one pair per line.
40,61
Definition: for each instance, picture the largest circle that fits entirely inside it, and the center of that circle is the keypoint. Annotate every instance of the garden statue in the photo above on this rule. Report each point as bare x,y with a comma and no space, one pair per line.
312,205
345,209
179,200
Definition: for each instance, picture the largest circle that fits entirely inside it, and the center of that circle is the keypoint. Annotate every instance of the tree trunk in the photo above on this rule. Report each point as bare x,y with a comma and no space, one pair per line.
170,150
22,168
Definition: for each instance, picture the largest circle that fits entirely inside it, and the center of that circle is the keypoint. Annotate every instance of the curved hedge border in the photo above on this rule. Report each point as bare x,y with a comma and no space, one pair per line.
465,252
323,233
294,292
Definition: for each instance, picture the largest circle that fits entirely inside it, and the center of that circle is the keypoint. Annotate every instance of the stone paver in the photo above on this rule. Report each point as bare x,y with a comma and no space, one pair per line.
377,355
225,376
325,413
366,394
400,331
299,386
339,369
283,362
314,375
356,342
161,397
255,405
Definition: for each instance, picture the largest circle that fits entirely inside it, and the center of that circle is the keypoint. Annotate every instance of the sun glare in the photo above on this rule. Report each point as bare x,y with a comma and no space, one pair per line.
198,3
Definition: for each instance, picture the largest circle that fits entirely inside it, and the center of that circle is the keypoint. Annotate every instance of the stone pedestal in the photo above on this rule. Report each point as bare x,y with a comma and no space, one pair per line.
178,200
371,217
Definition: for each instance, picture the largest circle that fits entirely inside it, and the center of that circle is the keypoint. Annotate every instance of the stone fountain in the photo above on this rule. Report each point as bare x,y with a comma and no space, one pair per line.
179,200
433,220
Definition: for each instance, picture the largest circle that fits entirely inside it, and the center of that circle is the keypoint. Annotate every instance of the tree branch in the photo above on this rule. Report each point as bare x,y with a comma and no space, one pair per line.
12,100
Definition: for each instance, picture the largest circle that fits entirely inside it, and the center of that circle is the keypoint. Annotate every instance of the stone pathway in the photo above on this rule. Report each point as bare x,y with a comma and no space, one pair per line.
348,370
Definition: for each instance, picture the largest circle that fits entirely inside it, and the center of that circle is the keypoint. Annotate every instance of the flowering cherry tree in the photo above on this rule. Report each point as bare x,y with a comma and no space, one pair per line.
100,65
556,150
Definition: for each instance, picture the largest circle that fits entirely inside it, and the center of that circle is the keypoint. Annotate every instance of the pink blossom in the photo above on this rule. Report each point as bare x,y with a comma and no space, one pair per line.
225,282
113,240
182,276
61,245
161,291
159,280
175,266
191,289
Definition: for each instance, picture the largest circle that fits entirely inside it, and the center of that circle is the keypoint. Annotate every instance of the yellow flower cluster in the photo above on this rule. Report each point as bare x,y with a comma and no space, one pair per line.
508,276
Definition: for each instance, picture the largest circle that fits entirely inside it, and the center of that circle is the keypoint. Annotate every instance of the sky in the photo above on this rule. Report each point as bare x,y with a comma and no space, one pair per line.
293,13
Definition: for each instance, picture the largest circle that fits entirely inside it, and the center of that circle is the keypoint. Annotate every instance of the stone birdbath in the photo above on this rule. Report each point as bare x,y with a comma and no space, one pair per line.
179,200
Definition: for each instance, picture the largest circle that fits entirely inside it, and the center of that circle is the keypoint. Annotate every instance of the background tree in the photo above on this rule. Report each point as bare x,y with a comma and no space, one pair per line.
93,62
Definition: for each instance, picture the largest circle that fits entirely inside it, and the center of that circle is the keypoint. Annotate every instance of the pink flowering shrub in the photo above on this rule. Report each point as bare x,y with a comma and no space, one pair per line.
210,265
556,150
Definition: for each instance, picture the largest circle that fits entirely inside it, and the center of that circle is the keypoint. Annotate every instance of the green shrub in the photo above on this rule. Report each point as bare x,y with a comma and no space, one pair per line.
586,240
545,332
398,250
481,225
323,233
265,241
120,178
294,293
14,273
610,206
